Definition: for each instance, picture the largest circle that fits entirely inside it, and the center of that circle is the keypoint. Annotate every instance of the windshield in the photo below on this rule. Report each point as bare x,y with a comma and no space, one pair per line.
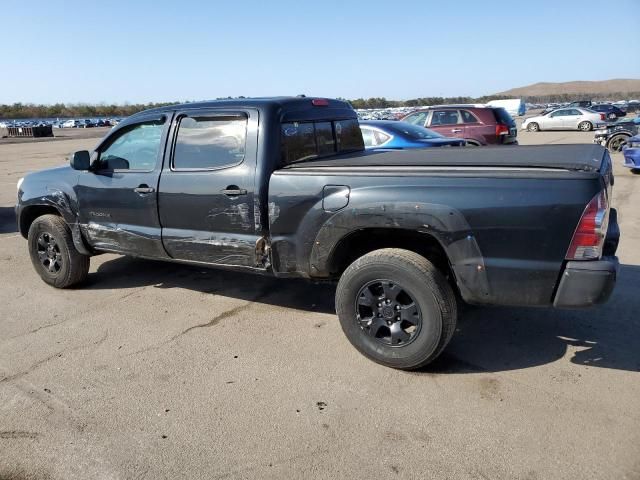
414,132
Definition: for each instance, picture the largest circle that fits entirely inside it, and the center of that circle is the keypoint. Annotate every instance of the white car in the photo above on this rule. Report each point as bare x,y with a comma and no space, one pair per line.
570,118
71,124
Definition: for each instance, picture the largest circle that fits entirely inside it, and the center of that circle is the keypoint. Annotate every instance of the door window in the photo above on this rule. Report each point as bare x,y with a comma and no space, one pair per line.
206,143
468,117
445,117
368,137
373,138
560,113
135,148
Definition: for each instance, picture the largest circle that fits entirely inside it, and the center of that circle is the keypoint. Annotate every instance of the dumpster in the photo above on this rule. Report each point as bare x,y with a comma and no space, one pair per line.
43,131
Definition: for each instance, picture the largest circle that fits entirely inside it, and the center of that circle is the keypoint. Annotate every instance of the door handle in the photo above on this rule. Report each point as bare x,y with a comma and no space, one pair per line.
144,189
234,191
456,130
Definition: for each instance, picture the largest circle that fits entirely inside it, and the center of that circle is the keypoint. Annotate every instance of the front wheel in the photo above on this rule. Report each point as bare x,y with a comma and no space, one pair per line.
396,308
617,142
585,126
53,253
533,127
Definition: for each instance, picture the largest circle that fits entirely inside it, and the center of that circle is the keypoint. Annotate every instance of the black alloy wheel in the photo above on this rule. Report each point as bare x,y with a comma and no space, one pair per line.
387,312
49,253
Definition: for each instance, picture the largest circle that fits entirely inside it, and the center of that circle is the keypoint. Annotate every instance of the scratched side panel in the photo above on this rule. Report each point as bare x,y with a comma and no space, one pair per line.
200,222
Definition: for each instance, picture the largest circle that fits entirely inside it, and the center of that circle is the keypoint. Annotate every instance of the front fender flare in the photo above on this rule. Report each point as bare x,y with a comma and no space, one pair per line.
67,207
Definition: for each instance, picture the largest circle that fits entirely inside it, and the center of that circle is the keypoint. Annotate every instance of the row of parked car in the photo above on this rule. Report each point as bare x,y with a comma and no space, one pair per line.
71,123
478,125
444,125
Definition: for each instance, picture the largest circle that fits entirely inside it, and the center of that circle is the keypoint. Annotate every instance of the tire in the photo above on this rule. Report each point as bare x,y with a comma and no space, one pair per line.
612,116
533,127
616,142
585,126
53,254
471,143
414,290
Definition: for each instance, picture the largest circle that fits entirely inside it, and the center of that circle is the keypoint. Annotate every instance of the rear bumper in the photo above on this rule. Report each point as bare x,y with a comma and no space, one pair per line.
584,284
588,283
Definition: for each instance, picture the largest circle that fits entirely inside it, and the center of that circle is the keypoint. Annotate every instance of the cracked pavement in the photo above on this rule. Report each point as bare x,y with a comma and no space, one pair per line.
155,370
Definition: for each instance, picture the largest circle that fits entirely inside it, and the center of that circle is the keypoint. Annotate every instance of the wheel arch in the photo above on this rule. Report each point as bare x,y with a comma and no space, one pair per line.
30,212
437,232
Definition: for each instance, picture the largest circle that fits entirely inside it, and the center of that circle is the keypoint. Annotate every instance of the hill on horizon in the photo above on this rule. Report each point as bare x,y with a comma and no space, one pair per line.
617,85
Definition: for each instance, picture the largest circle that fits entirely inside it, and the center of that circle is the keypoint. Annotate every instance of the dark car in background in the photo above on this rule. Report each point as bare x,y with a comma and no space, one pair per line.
614,136
476,124
394,135
610,111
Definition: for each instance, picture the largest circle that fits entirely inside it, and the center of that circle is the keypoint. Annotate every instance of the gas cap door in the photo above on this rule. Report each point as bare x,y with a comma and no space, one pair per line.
335,197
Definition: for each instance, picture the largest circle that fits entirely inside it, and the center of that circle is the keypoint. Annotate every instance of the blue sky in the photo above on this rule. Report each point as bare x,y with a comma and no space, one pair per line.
140,51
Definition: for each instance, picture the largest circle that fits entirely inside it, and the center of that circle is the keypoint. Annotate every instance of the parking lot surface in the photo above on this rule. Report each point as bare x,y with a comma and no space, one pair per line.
155,370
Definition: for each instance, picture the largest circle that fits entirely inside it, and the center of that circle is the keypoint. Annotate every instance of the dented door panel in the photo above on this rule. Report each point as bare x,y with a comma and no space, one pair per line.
209,215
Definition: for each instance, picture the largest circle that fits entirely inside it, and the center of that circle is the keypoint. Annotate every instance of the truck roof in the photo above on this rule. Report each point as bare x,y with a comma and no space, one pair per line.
284,104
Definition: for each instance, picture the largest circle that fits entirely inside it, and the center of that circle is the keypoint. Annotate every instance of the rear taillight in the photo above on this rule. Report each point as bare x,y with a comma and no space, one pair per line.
320,102
501,129
602,116
588,238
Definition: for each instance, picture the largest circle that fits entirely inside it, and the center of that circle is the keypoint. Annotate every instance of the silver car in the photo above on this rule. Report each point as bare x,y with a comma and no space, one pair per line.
569,118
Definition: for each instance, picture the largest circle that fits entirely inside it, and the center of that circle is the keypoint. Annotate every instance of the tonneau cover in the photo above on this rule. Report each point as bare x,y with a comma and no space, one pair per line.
581,157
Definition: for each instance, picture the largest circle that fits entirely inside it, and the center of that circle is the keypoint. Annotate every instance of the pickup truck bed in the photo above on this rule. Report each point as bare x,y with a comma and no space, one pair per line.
578,157
501,221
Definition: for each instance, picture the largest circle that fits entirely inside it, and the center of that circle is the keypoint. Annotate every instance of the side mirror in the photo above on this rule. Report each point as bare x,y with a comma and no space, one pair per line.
80,160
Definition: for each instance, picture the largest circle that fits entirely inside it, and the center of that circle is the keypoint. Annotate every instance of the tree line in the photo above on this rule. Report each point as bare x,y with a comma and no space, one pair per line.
62,110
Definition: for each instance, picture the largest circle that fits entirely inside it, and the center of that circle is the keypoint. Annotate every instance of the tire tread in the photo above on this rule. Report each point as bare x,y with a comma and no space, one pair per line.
434,281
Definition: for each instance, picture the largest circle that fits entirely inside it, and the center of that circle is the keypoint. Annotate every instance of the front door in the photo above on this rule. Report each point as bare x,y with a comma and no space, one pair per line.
207,192
555,120
118,198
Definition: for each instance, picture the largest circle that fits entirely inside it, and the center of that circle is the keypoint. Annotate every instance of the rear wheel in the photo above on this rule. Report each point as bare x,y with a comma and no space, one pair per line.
533,127
611,116
53,254
585,126
396,308
616,142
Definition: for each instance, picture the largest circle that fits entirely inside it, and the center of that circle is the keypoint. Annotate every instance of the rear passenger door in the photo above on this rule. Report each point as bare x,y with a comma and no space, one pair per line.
572,119
447,123
207,193
474,129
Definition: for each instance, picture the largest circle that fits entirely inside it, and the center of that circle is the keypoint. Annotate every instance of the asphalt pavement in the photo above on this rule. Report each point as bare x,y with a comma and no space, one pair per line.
155,370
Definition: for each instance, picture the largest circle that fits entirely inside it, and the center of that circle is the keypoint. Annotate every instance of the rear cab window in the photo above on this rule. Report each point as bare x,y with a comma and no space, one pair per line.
306,140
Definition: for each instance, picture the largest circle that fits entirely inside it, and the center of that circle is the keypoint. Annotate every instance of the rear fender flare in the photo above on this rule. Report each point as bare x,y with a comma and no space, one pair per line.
447,225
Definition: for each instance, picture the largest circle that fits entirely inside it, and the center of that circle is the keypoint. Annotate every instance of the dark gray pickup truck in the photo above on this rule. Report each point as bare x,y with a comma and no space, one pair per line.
283,186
